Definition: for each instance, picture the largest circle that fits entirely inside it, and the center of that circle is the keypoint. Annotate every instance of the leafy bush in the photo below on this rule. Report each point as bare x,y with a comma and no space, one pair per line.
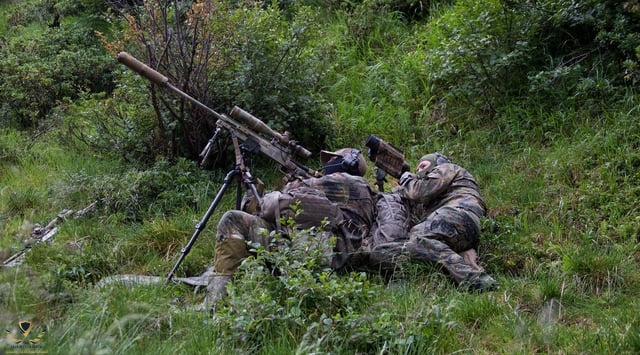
163,189
476,55
226,54
311,302
122,125
557,53
41,72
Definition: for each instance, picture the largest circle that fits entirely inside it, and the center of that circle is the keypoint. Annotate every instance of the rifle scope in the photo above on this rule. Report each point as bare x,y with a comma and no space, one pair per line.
257,125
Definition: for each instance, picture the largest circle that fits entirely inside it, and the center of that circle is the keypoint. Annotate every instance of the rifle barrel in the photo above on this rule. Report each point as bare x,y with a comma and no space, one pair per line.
157,78
251,122
142,69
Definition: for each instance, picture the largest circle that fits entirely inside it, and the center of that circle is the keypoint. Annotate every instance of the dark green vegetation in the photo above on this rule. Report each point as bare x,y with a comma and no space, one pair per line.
538,99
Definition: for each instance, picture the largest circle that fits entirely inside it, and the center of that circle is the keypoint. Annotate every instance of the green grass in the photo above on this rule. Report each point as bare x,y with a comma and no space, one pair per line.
563,290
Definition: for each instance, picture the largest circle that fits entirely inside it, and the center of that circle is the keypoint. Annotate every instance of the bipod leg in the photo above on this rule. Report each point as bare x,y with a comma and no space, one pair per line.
203,222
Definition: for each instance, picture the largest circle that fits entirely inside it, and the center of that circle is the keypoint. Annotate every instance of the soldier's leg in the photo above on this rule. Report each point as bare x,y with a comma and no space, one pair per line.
470,257
435,252
455,227
235,229
386,258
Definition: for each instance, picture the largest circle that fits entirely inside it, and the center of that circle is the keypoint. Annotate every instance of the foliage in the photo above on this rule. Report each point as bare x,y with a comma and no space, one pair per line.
374,80
37,74
9,148
414,10
533,100
561,53
137,194
28,12
224,55
121,125
289,288
312,295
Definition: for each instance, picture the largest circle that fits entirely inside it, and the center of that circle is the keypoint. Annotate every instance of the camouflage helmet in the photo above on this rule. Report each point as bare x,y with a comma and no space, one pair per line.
350,161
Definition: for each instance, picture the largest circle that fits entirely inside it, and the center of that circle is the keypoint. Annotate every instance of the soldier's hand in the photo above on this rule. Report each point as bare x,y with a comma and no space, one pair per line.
407,176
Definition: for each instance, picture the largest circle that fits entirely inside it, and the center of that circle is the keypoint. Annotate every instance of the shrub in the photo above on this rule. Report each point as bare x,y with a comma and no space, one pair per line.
226,54
301,295
40,72
162,190
121,125
555,53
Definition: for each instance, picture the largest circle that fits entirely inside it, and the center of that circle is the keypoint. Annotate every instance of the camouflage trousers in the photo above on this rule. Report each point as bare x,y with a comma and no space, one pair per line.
454,226
437,240
235,230
390,256
238,232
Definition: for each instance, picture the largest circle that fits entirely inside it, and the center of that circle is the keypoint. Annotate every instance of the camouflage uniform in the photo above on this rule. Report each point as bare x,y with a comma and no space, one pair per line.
349,202
235,229
352,194
385,244
447,207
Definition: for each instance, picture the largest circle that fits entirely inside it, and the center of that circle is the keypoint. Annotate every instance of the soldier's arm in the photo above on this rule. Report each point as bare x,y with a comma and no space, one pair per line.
424,189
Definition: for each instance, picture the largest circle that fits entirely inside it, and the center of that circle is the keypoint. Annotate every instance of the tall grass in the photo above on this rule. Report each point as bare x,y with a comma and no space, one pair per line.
374,87
561,238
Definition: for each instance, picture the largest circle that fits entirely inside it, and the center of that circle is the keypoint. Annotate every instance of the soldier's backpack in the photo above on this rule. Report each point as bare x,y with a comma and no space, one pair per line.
308,207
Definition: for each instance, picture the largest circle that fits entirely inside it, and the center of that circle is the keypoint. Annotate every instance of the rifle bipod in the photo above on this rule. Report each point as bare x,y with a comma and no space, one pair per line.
243,176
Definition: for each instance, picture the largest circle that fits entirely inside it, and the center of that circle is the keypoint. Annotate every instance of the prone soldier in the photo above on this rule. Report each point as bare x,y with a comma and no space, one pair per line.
348,204
445,208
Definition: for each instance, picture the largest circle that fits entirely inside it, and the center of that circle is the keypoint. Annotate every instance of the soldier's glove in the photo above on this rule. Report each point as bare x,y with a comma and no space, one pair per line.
406,176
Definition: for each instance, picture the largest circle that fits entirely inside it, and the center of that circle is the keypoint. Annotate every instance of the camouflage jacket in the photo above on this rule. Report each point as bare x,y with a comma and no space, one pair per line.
446,185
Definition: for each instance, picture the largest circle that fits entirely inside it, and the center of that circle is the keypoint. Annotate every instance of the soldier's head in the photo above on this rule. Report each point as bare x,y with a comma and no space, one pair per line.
428,162
345,160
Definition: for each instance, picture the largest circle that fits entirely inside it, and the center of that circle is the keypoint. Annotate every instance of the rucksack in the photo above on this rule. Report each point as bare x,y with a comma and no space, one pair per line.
307,206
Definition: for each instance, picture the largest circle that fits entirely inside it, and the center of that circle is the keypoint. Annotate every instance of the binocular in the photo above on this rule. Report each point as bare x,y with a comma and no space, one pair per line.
386,156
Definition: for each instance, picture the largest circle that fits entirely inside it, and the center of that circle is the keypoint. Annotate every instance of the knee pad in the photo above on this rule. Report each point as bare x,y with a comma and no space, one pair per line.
454,259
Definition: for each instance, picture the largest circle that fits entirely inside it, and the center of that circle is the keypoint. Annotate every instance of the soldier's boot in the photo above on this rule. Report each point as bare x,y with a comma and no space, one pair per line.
216,290
467,276
480,282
